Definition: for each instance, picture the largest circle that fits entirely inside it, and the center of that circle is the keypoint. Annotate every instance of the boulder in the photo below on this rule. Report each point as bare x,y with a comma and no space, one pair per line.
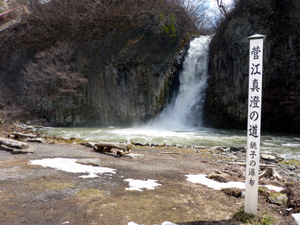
278,198
90,144
267,157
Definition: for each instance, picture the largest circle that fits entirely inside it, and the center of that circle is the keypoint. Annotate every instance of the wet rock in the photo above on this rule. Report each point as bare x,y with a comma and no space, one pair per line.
267,157
178,146
237,149
292,167
278,157
91,161
161,144
278,198
90,144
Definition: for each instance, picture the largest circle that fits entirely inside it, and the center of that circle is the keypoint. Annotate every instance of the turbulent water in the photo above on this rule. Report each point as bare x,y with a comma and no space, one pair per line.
186,109
180,122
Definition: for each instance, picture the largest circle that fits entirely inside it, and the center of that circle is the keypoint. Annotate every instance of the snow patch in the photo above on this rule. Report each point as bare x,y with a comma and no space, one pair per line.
296,217
202,179
70,165
137,185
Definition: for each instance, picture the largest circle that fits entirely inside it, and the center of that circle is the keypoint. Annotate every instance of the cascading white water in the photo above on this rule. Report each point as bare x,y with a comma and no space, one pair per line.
186,109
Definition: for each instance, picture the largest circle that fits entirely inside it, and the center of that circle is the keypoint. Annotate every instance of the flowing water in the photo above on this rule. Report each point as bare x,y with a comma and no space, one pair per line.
180,122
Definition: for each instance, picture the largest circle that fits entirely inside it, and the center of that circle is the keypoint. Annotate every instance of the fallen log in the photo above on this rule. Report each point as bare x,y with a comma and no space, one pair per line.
13,144
39,140
107,147
18,134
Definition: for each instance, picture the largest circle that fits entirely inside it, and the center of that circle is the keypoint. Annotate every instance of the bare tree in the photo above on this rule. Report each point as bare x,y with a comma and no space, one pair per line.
53,75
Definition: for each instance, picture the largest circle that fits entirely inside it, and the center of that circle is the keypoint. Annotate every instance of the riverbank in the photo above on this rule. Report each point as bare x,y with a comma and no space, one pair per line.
35,194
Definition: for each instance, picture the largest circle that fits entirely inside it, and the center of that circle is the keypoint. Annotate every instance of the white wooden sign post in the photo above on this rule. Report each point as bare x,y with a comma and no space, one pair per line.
254,121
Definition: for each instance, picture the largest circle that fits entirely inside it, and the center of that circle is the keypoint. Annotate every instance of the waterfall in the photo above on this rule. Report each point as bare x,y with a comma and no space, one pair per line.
187,109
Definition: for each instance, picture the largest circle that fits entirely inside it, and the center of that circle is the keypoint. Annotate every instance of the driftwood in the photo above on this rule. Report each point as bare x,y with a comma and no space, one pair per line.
18,134
122,149
13,144
39,140
121,153
244,164
270,172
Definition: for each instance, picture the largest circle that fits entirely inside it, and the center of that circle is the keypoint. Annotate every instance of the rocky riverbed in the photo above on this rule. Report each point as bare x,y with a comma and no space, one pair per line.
288,169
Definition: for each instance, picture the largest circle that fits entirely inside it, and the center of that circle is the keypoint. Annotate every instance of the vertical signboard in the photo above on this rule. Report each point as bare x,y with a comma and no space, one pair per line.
254,121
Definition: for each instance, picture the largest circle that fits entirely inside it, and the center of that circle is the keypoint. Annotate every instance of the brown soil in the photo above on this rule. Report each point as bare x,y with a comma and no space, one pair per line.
31,194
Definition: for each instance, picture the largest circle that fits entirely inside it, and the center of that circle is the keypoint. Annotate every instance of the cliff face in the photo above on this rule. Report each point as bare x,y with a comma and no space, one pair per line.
102,63
129,76
227,93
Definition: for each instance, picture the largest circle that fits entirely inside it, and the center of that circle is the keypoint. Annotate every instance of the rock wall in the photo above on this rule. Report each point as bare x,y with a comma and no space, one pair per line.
227,93
89,69
129,77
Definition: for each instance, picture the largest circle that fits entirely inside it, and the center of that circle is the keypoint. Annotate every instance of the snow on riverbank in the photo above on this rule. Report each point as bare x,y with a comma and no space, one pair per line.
202,179
138,185
70,165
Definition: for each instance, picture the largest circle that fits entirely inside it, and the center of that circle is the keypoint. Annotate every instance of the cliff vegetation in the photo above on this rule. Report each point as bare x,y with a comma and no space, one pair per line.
99,62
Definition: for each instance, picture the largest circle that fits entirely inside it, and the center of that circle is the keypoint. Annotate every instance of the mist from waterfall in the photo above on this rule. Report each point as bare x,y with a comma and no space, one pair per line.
187,108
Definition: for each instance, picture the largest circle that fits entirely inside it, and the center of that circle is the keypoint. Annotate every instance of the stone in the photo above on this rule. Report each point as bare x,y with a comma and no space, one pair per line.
161,144
278,198
30,127
235,149
134,156
292,167
90,161
279,158
90,144
267,157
